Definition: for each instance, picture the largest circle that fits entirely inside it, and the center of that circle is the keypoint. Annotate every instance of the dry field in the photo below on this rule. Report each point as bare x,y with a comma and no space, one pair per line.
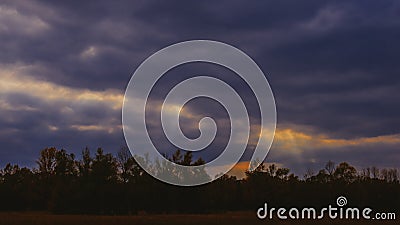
236,218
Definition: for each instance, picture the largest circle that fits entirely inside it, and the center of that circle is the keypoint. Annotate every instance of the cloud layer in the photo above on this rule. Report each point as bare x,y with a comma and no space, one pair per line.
333,67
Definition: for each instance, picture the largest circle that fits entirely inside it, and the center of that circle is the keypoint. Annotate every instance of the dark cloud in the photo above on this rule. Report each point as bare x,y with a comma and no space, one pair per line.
29,124
332,65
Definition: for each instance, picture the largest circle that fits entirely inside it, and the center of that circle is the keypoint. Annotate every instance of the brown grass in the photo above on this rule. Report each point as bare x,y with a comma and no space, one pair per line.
236,218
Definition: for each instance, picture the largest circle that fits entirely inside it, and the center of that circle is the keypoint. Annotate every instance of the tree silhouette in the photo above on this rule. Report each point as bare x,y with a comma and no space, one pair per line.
104,167
330,167
346,173
104,184
47,161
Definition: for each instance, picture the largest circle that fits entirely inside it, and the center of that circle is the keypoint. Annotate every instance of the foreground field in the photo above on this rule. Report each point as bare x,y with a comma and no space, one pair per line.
242,218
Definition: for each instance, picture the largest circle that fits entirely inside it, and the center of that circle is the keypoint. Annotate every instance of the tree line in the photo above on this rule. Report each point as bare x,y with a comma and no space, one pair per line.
106,184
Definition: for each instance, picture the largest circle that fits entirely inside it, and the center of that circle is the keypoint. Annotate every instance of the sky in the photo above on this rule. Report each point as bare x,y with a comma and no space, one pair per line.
332,65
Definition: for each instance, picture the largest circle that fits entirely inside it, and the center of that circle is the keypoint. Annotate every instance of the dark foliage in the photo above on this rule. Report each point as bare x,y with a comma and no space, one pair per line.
104,184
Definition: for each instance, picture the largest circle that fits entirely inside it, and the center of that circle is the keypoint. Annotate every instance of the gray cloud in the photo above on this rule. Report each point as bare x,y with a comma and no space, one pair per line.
332,65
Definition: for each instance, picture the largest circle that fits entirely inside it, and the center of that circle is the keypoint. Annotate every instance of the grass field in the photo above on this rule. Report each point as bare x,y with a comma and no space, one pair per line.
237,218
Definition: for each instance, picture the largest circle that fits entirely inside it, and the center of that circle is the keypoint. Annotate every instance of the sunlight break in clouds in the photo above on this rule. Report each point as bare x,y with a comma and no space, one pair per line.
89,52
294,143
15,80
300,141
95,128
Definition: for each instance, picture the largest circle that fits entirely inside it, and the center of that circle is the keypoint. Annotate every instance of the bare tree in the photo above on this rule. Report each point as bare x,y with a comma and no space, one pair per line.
272,170
375,172
366,173
47,161
309,173
384,175
330,167
394,175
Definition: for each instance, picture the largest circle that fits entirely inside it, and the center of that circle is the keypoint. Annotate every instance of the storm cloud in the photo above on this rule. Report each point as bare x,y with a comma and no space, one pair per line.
333,67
